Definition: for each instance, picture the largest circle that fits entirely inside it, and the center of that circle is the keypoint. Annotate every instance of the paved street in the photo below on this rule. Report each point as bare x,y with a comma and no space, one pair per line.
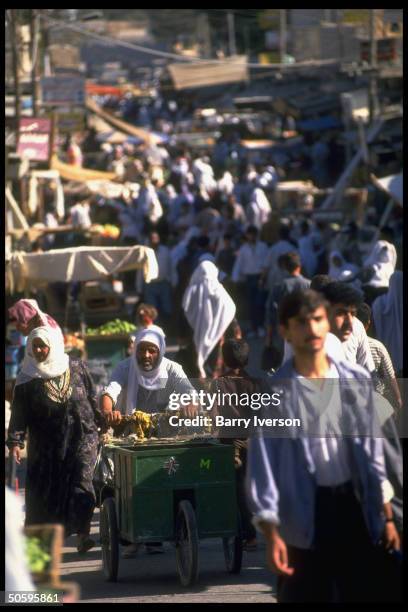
153,578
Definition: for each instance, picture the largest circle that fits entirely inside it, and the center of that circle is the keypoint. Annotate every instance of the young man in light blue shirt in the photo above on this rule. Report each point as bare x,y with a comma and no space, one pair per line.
320,496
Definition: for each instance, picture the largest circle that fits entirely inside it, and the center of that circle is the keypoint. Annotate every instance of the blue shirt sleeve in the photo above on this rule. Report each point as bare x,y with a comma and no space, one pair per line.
263,494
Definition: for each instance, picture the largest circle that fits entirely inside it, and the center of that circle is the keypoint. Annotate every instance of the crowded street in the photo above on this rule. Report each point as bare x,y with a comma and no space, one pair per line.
204,394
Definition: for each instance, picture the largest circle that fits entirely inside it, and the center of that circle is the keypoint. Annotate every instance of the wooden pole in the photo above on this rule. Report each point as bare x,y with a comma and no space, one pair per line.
15,53
342,182
53,135
282,35
35,52
373,66
231,33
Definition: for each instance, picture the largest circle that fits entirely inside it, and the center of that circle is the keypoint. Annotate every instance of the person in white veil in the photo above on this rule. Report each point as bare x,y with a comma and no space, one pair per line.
209,310
259,208
339,268
388,319
54,404
380,265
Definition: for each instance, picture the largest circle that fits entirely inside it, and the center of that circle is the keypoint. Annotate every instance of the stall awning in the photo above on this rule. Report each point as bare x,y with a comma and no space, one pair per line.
231,70
298,186
392,185
79,264
73,173
257,144
148,137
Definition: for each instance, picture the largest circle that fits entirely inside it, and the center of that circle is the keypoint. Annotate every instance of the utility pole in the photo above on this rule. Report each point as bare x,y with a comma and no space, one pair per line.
282,35
15,52
35,52
247,41
231,33
373,66
204,34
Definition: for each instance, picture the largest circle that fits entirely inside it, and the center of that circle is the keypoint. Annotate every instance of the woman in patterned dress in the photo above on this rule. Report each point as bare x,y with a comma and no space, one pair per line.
54,401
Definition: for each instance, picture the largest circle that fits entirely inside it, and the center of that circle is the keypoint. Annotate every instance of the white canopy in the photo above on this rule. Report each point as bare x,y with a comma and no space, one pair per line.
231,70
79,264
392,185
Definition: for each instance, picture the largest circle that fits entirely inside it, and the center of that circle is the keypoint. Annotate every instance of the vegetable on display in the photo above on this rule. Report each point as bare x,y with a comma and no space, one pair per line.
111,328
38,558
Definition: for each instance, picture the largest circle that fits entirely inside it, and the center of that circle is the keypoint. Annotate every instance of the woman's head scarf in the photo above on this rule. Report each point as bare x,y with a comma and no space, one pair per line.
24,310
335,270
383,259
57,361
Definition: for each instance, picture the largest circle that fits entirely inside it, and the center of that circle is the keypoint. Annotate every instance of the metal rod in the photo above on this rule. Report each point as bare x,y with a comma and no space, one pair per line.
15,51
282,36
34,33
373,66
231,34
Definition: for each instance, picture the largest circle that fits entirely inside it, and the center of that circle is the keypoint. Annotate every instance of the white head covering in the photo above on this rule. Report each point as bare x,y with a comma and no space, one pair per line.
155,379
208,308
335,271
345,271
383,258
259,208
57,361
388,318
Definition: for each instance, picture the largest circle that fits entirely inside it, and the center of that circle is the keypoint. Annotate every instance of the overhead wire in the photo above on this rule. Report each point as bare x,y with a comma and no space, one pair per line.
165,54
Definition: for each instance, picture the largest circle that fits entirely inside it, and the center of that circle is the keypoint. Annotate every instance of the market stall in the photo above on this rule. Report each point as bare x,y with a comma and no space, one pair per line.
79,264
85,264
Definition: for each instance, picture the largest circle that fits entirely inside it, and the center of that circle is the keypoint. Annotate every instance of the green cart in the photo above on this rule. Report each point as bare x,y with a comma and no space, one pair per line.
179,492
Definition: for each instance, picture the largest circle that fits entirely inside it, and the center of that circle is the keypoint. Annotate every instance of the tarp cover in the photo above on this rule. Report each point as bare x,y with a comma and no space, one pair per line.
299,186
393,185
147,137
80,264
73,173
231,70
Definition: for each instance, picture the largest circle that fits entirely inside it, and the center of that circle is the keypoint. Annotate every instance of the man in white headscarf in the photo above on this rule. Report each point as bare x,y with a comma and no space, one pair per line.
145,380
209,310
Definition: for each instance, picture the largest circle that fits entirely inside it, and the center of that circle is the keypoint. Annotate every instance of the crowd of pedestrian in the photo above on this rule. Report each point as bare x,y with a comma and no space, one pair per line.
324,302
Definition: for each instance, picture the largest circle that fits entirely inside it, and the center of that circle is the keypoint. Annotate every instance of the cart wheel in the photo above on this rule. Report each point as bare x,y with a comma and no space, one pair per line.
186,544
108,530
233,551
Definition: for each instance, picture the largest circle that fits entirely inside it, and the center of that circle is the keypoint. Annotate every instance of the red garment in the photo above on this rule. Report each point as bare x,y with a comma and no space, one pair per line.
24,310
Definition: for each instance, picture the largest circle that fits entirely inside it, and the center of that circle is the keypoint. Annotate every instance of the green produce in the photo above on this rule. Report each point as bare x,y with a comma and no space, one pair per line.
111,328
38,558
